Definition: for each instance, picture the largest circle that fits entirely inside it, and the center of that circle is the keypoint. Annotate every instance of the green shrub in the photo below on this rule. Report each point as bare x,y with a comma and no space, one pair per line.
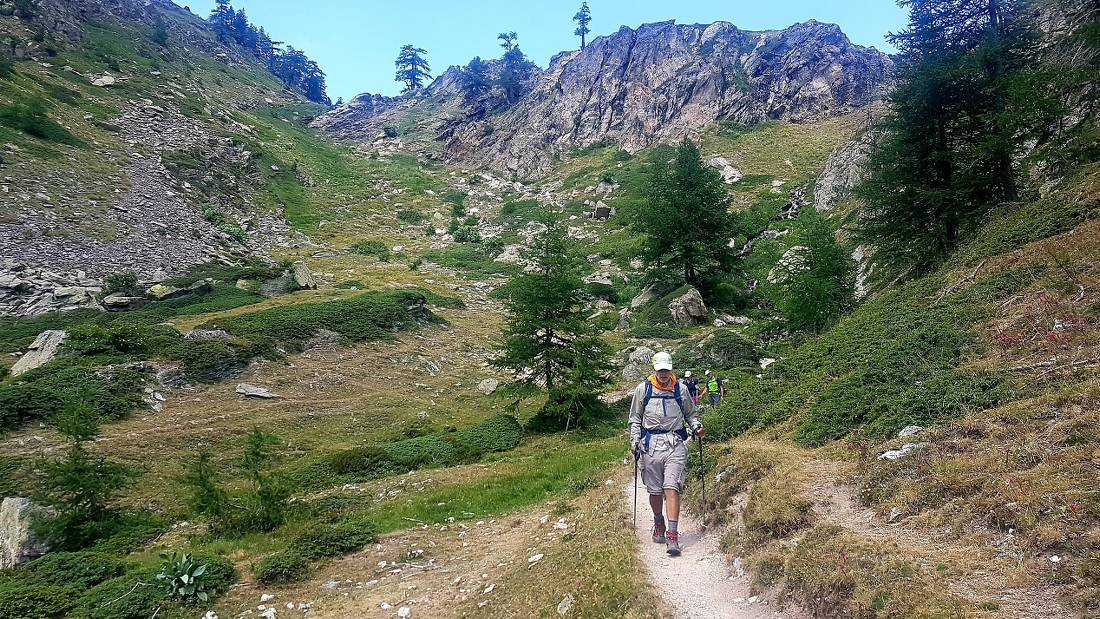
369,316
500,433
601,290
80,570
467,234
457,200
323,541
469,259
40,393
35,601
723,349
368,460
134,595
283,567
125,282
389,131
425,451
409,216
213,360
525,208
7,67
415,264
351,284
374,248
30,117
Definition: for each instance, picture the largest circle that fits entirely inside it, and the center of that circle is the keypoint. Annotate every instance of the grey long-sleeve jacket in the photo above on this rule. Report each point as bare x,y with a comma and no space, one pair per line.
661,414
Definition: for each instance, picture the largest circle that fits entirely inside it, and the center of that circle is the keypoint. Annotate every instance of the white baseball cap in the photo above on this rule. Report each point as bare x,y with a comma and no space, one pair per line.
662,361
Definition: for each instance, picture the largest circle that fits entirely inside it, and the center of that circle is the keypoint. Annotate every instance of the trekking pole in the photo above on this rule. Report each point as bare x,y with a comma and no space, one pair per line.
703,479
636,455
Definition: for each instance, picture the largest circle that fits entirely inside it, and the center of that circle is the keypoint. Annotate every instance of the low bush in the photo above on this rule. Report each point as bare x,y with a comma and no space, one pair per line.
40,393
81,570
457,200
30,116
426,451
368,460
134,595
375,248
213,360
282,567
468,258
124,282
369,316
409,216
723,349
500,433
467,234
35,601
323,541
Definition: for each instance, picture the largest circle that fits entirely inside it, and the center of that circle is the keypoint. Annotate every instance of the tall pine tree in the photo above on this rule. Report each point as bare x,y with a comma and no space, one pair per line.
948,146
476,81
412,68
686,220
548,337
583,17
515,68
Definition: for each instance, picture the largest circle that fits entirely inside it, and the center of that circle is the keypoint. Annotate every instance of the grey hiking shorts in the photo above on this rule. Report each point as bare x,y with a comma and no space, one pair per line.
664,469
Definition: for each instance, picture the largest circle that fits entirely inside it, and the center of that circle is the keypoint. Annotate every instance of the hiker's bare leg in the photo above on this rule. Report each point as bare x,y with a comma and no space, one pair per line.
672,504
655,502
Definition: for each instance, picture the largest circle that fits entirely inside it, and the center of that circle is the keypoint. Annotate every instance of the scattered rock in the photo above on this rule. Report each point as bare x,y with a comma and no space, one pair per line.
255,391
119,301
104,80
565,604
163,292
304,277
688,309
404,612
906,449
488,386
908,431
18,543
535,559
44,348
729,173
645,296
765,362
205,335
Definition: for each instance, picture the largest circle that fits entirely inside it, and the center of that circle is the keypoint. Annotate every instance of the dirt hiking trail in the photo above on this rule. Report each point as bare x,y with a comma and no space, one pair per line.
698,584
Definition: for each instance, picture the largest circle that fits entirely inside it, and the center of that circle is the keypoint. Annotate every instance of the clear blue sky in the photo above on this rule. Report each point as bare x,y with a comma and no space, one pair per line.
356,41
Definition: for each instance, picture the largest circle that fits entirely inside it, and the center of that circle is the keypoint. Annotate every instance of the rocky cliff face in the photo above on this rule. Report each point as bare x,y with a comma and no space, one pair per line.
660,82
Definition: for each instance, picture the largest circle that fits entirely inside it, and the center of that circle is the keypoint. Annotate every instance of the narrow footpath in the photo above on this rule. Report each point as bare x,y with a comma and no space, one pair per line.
699,584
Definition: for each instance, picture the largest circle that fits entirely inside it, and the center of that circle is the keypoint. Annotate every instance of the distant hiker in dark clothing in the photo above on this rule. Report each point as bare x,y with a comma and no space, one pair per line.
660,415
692,385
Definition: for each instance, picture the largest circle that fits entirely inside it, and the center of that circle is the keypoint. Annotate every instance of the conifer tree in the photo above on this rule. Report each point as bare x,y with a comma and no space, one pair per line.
948,146
475,80
548,337
816,282
79,486
515,68
583,17
686,220
412,68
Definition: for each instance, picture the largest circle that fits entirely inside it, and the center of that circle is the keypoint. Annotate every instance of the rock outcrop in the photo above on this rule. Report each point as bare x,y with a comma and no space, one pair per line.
843,171
18,543
688,309
44,348
637,87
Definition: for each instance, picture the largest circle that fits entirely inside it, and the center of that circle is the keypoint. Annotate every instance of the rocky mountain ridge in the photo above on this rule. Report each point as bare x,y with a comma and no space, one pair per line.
637,87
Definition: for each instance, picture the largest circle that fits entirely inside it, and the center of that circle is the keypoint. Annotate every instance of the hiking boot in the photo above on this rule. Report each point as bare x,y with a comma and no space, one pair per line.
659,532
673,540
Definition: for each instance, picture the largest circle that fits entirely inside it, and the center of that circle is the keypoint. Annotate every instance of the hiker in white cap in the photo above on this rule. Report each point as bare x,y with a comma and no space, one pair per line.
660,414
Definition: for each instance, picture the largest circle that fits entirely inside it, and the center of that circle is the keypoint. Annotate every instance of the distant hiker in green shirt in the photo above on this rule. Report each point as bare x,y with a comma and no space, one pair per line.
716,388
660,414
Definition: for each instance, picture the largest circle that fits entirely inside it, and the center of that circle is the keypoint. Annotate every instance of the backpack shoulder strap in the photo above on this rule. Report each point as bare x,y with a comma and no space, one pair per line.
648,395
678,396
